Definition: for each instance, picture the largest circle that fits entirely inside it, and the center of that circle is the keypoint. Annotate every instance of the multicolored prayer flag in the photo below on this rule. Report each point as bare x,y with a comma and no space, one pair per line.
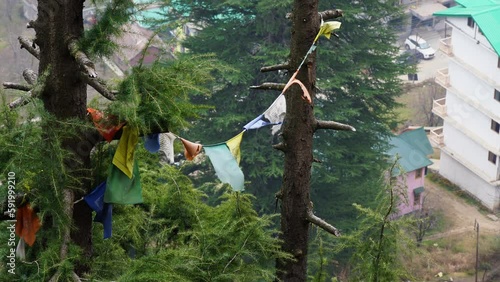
104,211
327,28
152,142
225,165
274,115
234,146
120,189
107,126
124,155
27,224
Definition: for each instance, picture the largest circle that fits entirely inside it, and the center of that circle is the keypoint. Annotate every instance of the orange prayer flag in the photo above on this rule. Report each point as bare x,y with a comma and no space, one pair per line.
27,224
191,149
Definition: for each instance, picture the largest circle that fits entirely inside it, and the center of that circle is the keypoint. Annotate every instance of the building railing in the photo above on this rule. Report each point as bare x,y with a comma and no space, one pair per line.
443,78
445,46
436,136
439,107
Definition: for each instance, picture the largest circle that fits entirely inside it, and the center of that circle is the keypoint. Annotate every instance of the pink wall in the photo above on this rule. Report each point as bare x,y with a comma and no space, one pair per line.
411,183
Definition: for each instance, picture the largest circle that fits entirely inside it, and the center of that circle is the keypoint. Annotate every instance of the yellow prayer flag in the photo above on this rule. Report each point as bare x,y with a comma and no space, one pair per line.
124,155
234,146
327,28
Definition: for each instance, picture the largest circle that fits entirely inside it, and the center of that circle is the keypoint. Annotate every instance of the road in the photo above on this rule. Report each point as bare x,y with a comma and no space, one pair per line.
461,214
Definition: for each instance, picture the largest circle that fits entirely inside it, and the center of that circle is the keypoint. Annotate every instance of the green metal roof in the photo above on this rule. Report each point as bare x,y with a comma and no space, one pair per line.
486,13
412,148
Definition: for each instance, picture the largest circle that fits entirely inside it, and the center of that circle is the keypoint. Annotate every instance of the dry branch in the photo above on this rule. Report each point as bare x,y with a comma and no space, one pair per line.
280,146
29,46
322,124
331,14
325,15
30,76
19,102
89,74
82,59
269,86
320,222
99,85
16,86
284,66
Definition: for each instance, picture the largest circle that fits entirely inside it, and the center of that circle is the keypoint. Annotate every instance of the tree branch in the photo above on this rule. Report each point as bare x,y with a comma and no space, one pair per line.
320,222
30,76
325,15
29,46
82,59
19,102
322,124
284,66
99,85
269,86
280,146
331,14
16,86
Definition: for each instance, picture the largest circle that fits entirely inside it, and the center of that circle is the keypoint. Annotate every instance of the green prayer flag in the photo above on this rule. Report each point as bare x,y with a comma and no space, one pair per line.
225,165
121,189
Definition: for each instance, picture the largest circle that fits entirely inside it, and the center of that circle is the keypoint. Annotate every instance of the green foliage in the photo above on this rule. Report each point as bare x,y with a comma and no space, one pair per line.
380,244
97,41
175,236
34,151
356,75
160,96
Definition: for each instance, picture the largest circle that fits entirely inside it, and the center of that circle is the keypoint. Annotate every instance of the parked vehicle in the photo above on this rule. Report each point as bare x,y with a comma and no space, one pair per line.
409,57
415,42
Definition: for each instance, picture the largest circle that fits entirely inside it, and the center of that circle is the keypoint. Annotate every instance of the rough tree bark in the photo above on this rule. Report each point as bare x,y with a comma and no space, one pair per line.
297,145
65,96
297,140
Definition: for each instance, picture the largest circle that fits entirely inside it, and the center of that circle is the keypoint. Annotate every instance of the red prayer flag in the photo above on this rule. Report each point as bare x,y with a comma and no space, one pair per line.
107,126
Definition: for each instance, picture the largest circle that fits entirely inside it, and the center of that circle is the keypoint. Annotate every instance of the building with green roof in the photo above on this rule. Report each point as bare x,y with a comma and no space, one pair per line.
410,149
485,13
470,136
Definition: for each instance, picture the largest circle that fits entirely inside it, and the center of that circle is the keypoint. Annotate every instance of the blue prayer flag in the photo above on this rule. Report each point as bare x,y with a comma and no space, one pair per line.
104,211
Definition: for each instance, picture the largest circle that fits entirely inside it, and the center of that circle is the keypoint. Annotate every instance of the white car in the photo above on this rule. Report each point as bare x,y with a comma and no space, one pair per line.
415,42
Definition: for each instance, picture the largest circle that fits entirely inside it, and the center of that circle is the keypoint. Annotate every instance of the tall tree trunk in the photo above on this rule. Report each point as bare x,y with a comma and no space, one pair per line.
297,140
65,96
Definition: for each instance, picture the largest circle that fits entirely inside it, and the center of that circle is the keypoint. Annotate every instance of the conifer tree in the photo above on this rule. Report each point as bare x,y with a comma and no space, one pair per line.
52,157
357,82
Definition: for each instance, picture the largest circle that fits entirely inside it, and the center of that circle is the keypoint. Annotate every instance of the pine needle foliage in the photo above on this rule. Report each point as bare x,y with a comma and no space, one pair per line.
98,41
176,236
381,243
34,151
160,95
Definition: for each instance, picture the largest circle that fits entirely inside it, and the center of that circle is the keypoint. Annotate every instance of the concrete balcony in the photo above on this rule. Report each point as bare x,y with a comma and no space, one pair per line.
436,136
443,78
445,46
439,107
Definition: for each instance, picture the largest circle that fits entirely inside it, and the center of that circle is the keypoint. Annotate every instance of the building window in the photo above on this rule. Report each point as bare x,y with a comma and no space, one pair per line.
417,193
497,95
492,158
418,173
495,126
498,63
470,22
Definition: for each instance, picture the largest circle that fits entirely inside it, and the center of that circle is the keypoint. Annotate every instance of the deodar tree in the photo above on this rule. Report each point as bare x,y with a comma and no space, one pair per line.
297,144
57,171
